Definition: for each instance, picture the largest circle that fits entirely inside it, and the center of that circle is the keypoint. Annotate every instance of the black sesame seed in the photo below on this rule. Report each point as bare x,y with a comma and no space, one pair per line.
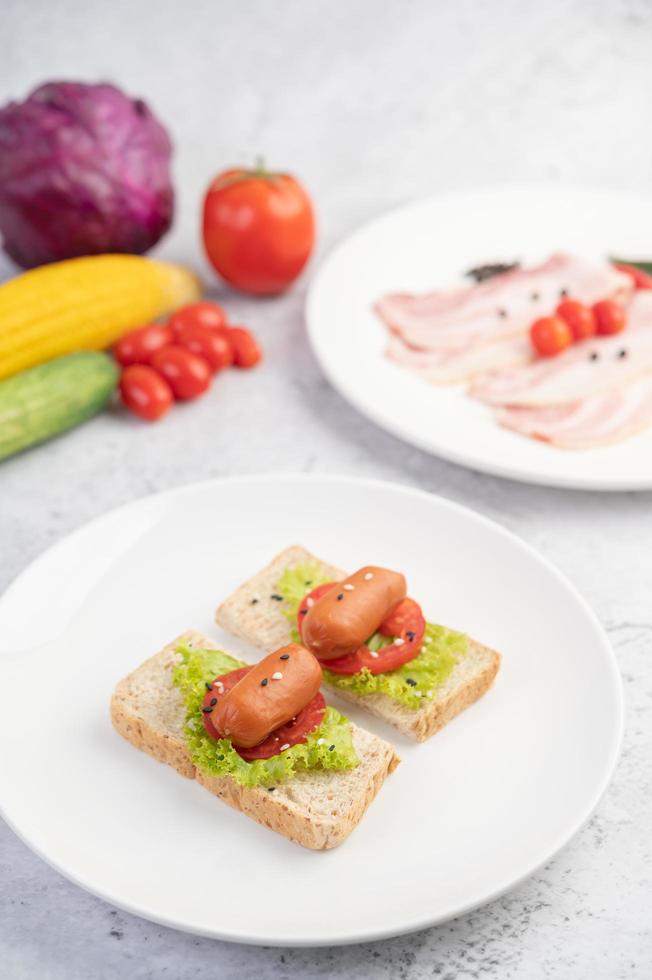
284,656
309,582
340,596
563,293
330,748
207,710
411,681
593,356
410,634
622,353
270,789
213,702
264,682
254,601
535,296
209,687
302,612
276,597
502,313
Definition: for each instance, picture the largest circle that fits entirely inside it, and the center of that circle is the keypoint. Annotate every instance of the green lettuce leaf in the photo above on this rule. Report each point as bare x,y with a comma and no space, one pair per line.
294,584
414,682
411,684
329,747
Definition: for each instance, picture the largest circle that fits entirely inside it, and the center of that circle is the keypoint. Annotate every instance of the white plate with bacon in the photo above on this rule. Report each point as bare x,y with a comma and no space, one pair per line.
443,359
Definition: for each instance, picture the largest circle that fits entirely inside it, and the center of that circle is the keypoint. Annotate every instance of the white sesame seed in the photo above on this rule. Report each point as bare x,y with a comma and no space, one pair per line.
422,649
321,741
310,602
277,675
368,576
428,694
373,653
349,587
284,747
417,694
399,642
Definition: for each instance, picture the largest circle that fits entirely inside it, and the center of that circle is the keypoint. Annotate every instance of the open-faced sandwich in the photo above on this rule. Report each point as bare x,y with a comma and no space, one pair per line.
373,642
260,737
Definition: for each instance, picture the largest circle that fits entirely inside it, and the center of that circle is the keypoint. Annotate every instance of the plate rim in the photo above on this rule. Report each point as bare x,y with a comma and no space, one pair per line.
427,920
610,484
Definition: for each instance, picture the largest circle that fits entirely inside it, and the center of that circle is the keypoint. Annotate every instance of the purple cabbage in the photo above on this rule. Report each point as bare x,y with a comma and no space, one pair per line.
83,169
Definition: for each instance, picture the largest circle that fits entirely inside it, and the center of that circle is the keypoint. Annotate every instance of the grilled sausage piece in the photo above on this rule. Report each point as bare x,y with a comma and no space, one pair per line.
347,615
273,692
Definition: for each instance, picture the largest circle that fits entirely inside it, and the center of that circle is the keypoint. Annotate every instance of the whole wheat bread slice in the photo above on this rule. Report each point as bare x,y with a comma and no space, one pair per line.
315,809
262,623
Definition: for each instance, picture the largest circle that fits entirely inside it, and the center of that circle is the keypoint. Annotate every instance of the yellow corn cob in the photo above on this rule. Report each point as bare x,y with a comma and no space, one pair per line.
85,304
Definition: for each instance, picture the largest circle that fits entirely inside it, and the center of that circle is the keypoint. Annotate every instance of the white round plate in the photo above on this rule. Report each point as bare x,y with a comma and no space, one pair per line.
429,245
465,816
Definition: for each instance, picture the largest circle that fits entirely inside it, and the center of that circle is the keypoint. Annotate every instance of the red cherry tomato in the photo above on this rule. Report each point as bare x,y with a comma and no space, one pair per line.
259,229
138,346
202,314
609,316
215,347
550,335
580,318
187,374
145,392
641,279
246,351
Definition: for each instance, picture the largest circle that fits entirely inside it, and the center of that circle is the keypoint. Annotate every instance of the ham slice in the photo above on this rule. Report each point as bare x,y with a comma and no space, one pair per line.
504,306
586,369
600,420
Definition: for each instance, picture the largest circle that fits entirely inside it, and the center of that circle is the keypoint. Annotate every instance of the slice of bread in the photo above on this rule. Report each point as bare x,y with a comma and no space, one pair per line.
315,809
254,614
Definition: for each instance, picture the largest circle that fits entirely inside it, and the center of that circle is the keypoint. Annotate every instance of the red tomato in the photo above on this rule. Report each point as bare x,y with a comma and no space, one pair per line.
550,335
187,374
580,318
202,314
403,615
215,347
641,279
610,316
259,229
138,346
145,392
291,733
405,623
246,351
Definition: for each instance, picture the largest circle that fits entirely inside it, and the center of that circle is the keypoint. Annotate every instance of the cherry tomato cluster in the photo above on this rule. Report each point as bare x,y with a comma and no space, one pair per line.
574,321
175,361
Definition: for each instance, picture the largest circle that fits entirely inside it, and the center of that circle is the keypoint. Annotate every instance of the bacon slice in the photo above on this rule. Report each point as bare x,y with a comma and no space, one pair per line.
504,306
450,367
601,420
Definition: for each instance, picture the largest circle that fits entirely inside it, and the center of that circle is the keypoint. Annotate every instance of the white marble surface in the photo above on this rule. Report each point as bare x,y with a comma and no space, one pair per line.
373,103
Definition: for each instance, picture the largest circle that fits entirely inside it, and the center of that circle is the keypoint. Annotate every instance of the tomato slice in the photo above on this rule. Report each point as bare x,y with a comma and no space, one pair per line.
405,623
292,733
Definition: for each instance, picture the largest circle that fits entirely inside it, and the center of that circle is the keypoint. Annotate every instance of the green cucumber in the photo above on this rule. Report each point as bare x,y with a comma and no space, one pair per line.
44,401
